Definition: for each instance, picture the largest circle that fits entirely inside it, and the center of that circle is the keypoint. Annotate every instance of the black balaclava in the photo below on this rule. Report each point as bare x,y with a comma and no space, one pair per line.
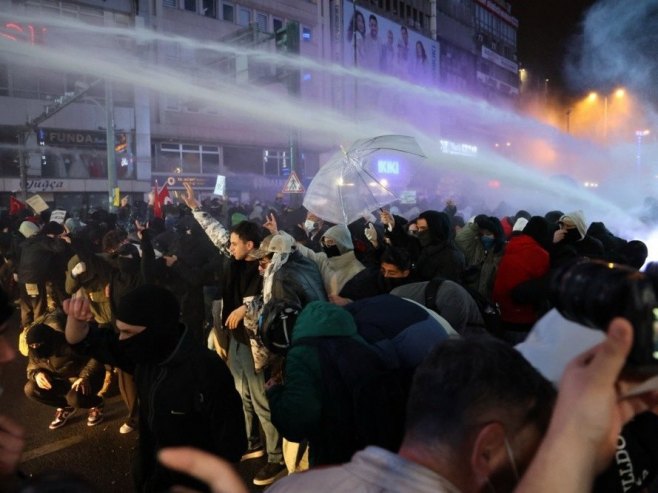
128,259
438,228
156,309
44,338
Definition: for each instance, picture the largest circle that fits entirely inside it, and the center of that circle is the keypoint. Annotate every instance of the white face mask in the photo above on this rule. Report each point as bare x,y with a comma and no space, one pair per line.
309,225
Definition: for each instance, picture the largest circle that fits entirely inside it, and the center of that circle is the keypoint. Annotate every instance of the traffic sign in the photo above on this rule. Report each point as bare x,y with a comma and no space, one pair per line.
293,185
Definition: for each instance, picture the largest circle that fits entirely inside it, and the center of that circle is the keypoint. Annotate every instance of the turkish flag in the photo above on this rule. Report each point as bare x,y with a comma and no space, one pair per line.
15,205
157,205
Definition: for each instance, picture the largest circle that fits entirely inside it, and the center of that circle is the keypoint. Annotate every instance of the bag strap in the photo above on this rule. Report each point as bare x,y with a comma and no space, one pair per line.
431,289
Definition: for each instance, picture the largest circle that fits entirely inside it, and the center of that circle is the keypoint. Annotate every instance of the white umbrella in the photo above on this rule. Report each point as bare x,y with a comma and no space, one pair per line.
344,188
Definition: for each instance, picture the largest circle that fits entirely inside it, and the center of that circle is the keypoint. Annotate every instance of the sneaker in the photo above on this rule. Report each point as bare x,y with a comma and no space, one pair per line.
269,473
253,453
126,428
95,416
62,415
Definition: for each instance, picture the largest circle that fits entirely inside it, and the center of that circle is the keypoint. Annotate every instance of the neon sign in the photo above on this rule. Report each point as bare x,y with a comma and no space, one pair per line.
386,167
29,33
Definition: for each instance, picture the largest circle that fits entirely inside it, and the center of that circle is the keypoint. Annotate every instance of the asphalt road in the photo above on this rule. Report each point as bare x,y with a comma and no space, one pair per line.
100,454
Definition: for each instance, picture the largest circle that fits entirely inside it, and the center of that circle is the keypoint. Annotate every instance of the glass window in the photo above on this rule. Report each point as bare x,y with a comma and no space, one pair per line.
276,24
210,163
169,3
190,5
244,16
228,12
261,21
192,161
209,8
275,162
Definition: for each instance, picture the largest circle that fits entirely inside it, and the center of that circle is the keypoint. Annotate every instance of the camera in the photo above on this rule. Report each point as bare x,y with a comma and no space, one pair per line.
592,293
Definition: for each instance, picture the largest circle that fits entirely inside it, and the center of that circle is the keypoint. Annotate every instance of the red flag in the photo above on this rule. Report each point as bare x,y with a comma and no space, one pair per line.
164,197
157,204
15,205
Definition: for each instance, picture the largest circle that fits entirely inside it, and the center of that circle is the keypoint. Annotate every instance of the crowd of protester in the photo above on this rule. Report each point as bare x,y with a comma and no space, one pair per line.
378,355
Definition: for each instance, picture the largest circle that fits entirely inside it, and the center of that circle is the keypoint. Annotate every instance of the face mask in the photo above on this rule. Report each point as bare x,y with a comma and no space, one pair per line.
151,346
309,226
388,284
44,351
487,242
331,251
424,237
572,235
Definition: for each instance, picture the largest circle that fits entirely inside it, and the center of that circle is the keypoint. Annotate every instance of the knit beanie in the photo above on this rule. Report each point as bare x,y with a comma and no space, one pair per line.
53,228
149,306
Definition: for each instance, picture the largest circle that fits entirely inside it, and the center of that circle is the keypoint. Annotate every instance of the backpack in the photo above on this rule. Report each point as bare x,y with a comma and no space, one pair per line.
490,311
355,374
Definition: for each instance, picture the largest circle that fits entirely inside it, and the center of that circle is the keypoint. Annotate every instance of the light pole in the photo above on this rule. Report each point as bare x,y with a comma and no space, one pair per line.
593,96
110,144
639,135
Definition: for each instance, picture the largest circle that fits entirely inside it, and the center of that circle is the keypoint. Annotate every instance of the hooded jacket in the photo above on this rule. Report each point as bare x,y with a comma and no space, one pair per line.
335,271
189,399
524,259
301,407
482,264
440,257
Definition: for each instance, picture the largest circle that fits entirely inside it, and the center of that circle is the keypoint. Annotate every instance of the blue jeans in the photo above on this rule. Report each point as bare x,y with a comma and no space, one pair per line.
251,387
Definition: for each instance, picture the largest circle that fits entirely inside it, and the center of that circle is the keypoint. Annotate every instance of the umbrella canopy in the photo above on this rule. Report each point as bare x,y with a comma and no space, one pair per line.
345,188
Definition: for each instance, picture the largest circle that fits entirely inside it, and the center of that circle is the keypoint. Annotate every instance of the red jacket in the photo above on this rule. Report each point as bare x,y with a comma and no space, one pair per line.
524,259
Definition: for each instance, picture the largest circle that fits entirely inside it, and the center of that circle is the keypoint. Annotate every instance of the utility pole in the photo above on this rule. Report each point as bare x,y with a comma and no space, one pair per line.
31,126
287,40
111,160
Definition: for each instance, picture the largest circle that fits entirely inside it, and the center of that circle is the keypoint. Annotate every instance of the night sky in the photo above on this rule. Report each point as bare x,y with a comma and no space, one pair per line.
545,29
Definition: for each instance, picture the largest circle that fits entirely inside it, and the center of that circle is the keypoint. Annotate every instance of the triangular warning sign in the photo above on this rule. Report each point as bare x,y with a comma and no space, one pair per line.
293,185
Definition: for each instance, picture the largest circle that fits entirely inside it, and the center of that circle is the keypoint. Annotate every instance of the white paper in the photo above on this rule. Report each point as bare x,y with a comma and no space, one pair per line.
37,203
58,216
220,185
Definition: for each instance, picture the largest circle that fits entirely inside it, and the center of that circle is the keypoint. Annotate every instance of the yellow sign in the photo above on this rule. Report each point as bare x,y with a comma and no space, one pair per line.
116,200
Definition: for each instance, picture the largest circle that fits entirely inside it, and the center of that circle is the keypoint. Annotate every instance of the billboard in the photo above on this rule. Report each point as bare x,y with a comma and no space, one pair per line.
376,43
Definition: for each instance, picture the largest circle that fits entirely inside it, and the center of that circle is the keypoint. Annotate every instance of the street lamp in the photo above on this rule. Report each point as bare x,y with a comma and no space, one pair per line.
593,96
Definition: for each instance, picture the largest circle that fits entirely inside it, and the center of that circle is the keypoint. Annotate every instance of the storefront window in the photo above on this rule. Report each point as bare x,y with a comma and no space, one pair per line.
178,158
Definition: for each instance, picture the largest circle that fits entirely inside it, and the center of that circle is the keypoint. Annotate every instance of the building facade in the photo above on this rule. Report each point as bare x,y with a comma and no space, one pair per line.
77,119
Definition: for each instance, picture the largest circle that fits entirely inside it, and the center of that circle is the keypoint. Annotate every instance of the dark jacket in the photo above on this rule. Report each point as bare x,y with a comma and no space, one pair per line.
303,408
189,399
299,281
64,363
401,331
43,259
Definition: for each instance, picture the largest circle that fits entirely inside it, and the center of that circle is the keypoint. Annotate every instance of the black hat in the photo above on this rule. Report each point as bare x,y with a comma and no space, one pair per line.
53,228
149,306
276,323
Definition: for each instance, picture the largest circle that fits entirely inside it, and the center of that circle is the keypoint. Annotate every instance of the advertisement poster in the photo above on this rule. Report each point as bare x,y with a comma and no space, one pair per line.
376,43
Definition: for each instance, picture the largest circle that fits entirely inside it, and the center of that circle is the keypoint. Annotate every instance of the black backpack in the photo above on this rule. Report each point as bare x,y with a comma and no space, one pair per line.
355,374
490,311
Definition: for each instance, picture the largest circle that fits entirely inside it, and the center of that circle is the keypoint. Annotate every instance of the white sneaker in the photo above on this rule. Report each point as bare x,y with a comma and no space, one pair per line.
126,428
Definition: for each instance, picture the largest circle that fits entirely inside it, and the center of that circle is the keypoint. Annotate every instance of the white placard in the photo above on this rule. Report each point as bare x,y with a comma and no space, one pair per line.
58,216
220,185
37,203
